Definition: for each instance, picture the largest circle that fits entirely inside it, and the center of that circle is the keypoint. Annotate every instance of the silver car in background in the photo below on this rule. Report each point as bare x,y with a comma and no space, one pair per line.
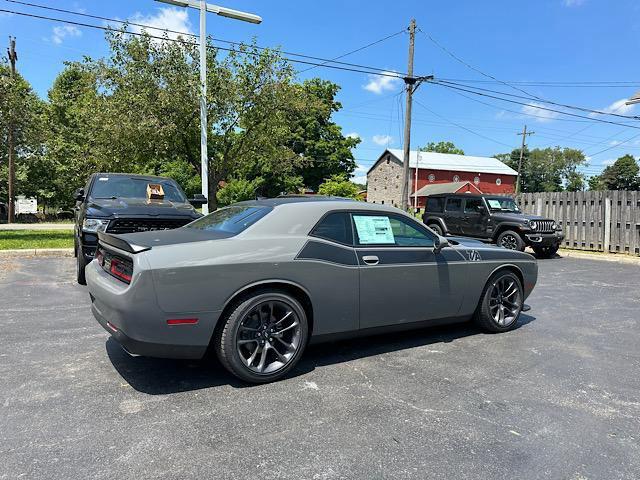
257,281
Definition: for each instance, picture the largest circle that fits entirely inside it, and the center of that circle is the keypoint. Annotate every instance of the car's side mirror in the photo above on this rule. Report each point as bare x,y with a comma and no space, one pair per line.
198,200
79,195
441,243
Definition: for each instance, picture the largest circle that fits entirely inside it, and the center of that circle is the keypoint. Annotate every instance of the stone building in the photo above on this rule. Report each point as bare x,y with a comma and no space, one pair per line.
486,174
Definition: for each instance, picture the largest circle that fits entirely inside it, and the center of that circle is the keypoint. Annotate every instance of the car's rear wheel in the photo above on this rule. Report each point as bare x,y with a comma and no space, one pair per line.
436,228
511,240
263,336
500,303
81,264
546,252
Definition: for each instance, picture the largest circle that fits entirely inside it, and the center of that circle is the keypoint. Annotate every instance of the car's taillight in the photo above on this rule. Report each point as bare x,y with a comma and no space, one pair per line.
100,257
121,270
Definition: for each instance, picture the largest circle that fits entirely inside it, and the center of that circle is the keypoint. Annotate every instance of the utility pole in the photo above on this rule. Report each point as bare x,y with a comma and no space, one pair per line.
524,134
13,58
409,81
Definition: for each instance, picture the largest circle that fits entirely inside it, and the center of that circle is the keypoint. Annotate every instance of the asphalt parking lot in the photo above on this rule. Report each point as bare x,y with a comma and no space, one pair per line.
559,397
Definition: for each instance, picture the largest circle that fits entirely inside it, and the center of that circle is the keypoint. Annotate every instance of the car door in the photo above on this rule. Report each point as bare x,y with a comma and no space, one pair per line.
453,215
402,278
474,217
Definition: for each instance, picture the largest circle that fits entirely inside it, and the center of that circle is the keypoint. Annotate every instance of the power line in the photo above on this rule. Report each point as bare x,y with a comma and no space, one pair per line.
455,57
538,107
356,68
463,127
583,109
615,146
356,50
536,83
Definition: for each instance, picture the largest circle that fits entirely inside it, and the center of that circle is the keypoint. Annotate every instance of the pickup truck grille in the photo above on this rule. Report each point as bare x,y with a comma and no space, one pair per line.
544,226
132,225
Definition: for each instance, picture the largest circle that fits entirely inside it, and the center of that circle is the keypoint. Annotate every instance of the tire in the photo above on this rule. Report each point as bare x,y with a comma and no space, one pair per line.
487,316
255,319
436,228
80,267
546,252
511,240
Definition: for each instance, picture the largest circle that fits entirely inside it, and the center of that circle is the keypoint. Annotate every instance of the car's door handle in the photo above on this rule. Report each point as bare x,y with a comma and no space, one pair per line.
370,259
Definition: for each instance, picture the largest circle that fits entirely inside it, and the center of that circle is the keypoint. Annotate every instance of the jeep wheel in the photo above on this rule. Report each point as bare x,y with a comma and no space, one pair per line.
436,228
546,252
511,240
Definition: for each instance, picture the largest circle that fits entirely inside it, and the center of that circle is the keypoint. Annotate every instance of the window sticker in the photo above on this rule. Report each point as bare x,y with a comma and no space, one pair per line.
374,230
494,203
103,179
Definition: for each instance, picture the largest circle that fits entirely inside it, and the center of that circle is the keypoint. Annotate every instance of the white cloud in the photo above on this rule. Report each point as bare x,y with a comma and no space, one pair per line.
619,106
361,170
613,143
609,161
381,83
63,31
361,180
353,135
176,19
539,114
572,3
382,140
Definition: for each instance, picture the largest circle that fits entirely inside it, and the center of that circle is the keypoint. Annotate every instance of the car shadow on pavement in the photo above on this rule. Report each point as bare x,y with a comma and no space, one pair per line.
157,376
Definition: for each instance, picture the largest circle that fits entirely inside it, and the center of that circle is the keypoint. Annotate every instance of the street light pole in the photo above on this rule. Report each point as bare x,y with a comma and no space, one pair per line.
205,7
204,149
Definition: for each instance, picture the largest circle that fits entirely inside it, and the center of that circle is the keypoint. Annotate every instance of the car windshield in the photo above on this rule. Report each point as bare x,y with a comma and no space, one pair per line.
232,219
132,187
503,204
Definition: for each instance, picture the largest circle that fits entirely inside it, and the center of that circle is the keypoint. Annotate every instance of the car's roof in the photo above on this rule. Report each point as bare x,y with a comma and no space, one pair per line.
314,202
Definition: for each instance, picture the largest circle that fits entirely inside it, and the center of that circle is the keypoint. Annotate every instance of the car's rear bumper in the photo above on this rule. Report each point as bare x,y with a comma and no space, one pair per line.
130,313
543,239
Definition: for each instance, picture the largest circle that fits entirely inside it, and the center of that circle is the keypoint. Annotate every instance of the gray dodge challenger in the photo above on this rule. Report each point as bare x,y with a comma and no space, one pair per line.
257,281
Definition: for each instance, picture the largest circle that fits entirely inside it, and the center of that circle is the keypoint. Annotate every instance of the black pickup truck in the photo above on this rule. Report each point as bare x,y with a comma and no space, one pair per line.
492,218
119,203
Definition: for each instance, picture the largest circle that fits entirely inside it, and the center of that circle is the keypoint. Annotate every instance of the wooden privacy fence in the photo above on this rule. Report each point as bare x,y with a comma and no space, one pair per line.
607,221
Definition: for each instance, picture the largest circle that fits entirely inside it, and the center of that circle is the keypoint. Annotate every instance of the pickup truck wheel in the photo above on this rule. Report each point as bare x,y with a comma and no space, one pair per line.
263,336
511,240
80,266
500,303
436,228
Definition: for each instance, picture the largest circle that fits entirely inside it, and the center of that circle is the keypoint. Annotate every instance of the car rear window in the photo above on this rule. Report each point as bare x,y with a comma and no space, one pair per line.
234,219
120,186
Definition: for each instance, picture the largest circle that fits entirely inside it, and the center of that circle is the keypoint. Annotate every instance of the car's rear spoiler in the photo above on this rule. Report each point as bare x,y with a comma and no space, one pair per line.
121,243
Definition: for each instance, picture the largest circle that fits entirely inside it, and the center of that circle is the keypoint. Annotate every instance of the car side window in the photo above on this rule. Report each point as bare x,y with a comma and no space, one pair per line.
472,205
390,230
435,204
336,227
454,205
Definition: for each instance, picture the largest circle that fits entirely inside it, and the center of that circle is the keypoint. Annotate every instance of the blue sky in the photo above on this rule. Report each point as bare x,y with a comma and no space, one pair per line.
512,40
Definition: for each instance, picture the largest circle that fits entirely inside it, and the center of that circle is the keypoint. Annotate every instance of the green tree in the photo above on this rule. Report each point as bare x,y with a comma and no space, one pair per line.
575,182
548,169
23,109
442,147
317,139
339,186
238,191
622,175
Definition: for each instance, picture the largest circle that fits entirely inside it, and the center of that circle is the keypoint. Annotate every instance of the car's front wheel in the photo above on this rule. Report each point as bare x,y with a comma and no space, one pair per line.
263,336
511,240
500,303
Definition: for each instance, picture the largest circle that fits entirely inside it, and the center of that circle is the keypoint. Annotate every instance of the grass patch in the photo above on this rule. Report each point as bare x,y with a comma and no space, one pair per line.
22,239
